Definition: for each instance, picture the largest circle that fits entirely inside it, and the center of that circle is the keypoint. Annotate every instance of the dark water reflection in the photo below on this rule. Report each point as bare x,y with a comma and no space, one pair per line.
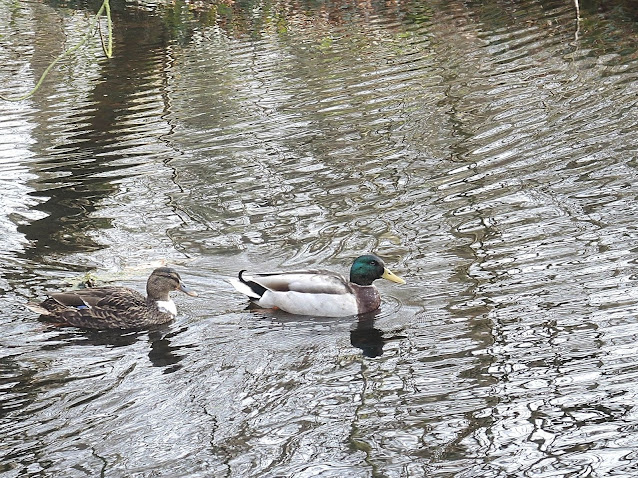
486,150
85,158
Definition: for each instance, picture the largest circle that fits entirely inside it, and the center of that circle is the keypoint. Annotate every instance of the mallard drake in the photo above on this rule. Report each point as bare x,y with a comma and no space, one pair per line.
318,292
115,307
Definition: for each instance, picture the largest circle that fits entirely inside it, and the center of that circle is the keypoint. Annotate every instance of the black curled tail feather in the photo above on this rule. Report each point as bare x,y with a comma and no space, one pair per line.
254,286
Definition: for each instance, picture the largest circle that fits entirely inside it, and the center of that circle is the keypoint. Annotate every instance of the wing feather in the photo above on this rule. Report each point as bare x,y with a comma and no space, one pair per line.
102,307
310,282
116,297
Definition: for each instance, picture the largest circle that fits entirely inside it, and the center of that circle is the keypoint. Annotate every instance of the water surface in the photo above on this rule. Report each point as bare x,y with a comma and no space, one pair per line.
486,151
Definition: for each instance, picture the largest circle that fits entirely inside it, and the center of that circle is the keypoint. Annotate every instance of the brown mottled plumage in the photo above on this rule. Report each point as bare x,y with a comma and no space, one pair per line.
114,307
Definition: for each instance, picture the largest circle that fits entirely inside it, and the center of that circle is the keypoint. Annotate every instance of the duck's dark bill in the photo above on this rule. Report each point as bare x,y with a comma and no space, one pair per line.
187,290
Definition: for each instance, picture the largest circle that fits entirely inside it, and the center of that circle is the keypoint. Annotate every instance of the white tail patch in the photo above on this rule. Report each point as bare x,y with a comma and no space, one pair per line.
243,288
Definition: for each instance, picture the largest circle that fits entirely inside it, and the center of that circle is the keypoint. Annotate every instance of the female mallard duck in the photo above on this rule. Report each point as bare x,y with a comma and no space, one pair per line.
318,292
114,307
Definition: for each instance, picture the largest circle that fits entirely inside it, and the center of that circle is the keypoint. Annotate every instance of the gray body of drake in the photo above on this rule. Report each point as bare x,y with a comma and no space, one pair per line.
319,292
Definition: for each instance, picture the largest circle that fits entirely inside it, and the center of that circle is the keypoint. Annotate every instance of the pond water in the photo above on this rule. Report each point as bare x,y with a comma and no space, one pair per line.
487,151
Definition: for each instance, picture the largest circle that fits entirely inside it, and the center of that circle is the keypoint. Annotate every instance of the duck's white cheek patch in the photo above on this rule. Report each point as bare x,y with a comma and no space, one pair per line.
167,306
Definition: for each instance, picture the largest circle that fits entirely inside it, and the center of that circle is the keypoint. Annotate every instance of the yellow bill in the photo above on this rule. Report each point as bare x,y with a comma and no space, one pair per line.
391,276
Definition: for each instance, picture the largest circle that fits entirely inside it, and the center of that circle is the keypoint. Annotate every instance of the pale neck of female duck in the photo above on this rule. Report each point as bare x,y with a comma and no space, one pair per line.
164,304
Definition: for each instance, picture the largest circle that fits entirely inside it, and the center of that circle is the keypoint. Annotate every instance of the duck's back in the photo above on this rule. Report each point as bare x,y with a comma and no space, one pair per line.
103,307
310,282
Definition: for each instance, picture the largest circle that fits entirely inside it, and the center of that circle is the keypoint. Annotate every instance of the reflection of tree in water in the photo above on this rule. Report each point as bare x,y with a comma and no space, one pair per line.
80,171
